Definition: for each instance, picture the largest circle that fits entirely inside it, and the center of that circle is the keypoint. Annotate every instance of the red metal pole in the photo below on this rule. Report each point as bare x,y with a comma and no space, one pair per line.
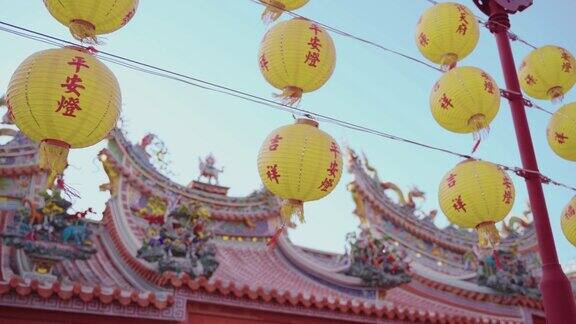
556,290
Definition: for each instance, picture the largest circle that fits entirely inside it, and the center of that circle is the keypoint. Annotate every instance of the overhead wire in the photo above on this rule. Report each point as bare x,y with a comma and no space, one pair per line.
215,87
514,37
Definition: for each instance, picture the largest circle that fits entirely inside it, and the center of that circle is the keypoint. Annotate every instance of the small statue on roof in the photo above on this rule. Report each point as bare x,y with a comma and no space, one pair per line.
376,260
181,243
208,169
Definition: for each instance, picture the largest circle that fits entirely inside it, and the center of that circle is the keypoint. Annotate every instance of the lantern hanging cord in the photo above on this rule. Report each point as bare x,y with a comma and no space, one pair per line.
206,85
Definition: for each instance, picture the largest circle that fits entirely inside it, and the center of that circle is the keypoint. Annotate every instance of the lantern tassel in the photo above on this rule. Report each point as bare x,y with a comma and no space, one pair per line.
291,207
448,62
53,157
556,94
83,31
273,11
488,236
290,96
481,129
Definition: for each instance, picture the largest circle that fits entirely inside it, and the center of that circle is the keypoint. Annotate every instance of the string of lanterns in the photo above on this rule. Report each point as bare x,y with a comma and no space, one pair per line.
298,56
477,194
66,98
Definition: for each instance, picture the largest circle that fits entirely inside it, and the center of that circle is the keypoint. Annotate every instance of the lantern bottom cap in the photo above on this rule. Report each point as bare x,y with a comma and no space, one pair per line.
83,31
448,61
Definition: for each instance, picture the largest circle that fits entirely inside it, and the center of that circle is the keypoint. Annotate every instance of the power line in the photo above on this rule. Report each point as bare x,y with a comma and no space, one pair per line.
512,36
215,87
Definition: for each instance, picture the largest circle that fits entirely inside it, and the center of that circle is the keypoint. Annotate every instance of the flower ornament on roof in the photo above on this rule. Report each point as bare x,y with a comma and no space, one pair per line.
182,243
376,260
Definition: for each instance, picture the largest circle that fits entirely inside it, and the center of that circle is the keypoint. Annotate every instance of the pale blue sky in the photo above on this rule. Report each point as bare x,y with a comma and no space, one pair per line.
218,41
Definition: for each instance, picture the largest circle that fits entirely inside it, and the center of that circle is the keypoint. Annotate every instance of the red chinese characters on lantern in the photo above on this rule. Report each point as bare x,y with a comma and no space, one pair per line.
69,104
263,62
530,80
128,16
274,143
312,58
326,184
314,44
423,39
566,64
446,102
463,19
488,84
458,204
507,196
570,212
334,149
560,137
73,85
272,173
332,169
451,180
78,62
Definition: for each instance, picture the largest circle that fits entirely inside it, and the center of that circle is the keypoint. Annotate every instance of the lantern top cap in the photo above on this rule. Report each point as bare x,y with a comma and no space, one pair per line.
307,121
79,49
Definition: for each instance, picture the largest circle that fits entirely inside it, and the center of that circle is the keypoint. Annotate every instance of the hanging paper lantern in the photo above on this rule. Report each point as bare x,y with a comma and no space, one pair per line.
547,73
568,221
299,163
296,56
274,8
89,18
477,194
465,100
446,33
63,98
561,132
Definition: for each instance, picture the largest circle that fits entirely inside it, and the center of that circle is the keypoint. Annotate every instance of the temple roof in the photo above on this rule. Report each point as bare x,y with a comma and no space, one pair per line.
250,273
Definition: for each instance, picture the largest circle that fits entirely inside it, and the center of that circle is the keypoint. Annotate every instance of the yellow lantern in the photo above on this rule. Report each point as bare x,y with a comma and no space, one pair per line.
63,98
465,100
299,163
561,132
88,18
547,73
568,221
477,194
446,33
296,56
274,8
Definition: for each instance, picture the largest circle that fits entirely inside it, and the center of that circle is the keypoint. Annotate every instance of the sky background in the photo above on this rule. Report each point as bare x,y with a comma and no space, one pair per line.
218,41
